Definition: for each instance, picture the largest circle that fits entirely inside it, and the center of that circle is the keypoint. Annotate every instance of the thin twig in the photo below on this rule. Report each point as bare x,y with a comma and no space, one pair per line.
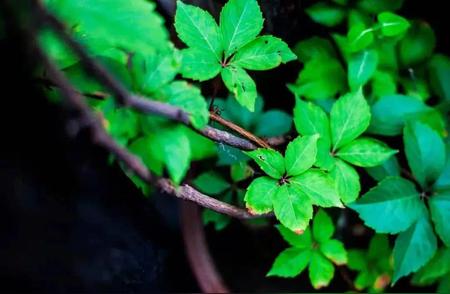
122,95
238,130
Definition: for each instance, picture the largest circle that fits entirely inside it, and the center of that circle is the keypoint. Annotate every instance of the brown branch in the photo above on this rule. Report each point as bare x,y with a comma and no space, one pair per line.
238,129
122,95
101,138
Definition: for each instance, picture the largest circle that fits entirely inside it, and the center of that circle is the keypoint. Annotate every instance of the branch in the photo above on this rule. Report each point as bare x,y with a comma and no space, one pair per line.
136,102
238,129
103,139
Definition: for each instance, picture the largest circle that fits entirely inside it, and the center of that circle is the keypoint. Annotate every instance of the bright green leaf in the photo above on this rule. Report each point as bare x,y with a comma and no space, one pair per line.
240,22
258,198
414,248
361,68
321,271
290,263
292,208
147,151
425,151
198,29
366,152
390,207
383,84
323,227
392,24
265,52
302,241
335,251
349,118
270,161
359,37
314,47
347,181
241,85
199,64
301,154
319,186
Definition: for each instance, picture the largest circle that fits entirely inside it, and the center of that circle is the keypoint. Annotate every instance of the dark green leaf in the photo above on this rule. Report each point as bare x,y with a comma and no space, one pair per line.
436,268
366,152
314,47
390,167
418,44
383,84
377,6
211,183
390,207
440,212
425,151
390,113
240,171
273,123
414,248
439,69
325,14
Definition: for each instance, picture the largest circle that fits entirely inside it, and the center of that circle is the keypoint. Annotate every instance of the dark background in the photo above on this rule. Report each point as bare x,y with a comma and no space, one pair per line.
69,222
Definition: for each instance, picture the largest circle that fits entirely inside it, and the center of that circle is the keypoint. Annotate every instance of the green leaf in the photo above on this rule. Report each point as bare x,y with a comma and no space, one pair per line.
240,171
220,221
444,285
319,186
366,152
443,182
174,148
390,167
335,251
347,181
356,16
321,271
383,84
302,241
148,153
100,26
349,118
189,98
240,115
258,198
323,227
361,68
364,279
56,49
377,6
240,22
211,183
273,123
416,86
425,151
310,119
301,154
327,15
198,29
314,47
390,207
153,71
241,85
292,208
439,71
199,64
265,52
436,268
290,263
201,147
270,161
322,77
379,247
357,260
418,44
389,113
414,248
359,37
392,24
440,211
